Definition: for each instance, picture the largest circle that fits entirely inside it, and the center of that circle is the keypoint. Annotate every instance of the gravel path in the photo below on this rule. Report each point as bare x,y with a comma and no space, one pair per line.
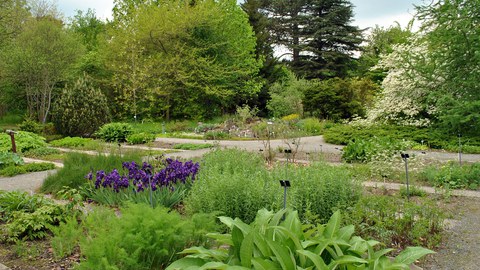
29,182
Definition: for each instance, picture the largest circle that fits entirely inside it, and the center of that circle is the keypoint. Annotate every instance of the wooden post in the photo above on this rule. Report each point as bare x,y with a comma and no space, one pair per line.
12,137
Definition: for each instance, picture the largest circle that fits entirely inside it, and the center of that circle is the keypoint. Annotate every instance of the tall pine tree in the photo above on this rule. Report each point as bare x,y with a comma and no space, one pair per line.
318,34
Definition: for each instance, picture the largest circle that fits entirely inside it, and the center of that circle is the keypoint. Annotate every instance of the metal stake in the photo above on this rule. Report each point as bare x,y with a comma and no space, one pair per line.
405,158
460,149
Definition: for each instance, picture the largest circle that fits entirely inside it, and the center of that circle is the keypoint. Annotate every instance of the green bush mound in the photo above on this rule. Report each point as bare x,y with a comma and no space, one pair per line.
452,175
141,238
396,221
76,166
27,168
236,183
71,142
8,159
365,150
115,132
24,141
270,242
140,138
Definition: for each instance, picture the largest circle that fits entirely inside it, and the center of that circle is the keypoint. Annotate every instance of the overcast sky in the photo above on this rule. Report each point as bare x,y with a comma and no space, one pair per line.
368,13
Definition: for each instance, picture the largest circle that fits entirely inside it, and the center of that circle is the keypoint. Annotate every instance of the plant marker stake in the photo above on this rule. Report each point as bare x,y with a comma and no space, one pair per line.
12,137
405,158
285,184
459,149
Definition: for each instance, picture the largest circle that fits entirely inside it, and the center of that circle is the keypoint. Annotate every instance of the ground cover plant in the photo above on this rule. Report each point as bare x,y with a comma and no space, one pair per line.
28,216
397,222
192,146
280,241
142,237
164,185
75,142
140,138
77,165
26,168
452,175
24,141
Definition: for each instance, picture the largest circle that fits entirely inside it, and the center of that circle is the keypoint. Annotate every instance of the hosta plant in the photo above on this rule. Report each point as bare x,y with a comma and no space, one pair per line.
280,241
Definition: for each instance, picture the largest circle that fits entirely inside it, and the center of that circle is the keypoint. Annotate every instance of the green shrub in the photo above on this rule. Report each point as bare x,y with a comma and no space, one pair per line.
81,109
311,126
452,175
236,183
65,237
115,132
28,216
233,183
192,146
8,159
365,150
216,135
142,238
30,125
12,171
319,189
413,191
140,138
180,126
271,243
76,166
24,140
397,222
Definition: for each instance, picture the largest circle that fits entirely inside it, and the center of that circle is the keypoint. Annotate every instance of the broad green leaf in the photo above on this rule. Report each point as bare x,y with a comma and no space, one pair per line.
346,232
221,238
278,217
246,250
295,240
333,225
315,258
382,252
226,220
411,254
282,255
203,253
261,244
263,264
263,217
185,263
348,259
293,224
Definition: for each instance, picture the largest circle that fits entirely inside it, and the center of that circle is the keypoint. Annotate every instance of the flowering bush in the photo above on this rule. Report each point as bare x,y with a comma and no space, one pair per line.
166,187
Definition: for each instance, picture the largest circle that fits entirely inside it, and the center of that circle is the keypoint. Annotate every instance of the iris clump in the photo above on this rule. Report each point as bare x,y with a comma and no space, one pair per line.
167,186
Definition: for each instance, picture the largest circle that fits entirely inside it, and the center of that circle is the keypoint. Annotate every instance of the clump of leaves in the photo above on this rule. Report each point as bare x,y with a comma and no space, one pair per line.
452,175
396,222
140,138
24,140
279,241
10,159
115,132
28,216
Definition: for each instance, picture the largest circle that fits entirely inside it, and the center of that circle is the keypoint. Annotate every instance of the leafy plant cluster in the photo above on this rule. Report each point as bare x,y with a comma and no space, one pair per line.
140,238
30,125
140,138
8,159
396,221
365,150
280,241
24,141
28,216
216,135
115,132
42,152
142,184
26,168
237,184
452,175
71,142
